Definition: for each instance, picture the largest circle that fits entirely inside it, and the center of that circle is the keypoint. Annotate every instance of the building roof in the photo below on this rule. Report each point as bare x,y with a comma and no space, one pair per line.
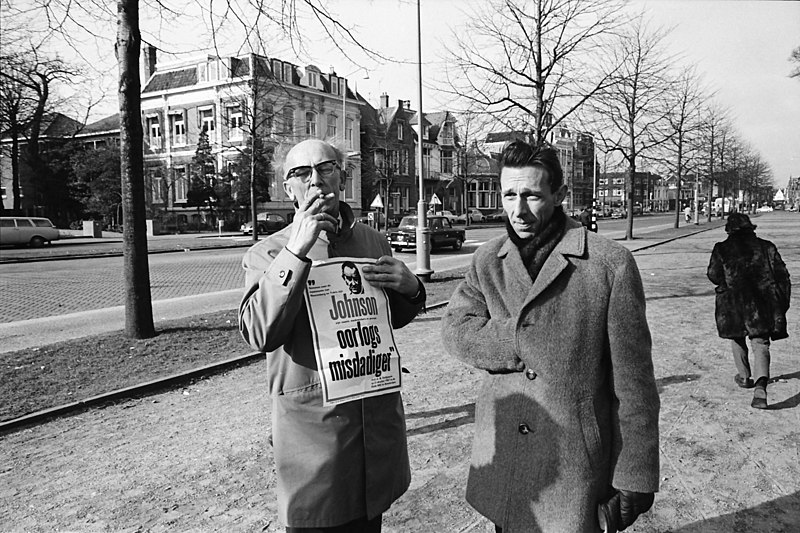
110,123
505,136
162,81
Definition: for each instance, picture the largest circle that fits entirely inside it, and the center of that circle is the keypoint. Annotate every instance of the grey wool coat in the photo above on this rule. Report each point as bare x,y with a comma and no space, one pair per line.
333,464
568,406
753,287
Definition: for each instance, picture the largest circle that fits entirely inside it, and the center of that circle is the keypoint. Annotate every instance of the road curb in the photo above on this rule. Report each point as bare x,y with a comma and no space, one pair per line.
142,389
117,254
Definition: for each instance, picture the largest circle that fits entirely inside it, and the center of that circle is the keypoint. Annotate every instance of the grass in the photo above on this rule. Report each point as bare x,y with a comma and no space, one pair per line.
69,371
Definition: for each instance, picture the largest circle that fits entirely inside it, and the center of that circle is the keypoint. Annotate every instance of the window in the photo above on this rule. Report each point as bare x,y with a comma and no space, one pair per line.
201,72
312,79
335,85
276,69
269,113
348,187
156,186
404,162
401,125
178,127
447,162
287,73
482,195
235,123
207,120
602,181
619,181
311,124
212,70
181,184
3,193
288,121
331,126
617,192
348,133
154,132
343,87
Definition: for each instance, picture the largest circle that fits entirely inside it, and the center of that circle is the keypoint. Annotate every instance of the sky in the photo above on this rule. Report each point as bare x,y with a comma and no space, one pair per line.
740,47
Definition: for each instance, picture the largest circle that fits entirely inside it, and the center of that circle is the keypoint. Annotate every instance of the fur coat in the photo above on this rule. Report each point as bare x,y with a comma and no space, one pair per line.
753,287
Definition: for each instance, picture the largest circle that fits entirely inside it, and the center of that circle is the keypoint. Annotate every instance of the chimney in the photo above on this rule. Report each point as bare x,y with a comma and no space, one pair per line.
384,101
149,55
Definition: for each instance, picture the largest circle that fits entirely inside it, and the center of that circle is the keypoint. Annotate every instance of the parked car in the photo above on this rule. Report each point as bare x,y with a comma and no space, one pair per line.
496,216
617,213
474,216
764,209
442,233
267,223
33,231
447,214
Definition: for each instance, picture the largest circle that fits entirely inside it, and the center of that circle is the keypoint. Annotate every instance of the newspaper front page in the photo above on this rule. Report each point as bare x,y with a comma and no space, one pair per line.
352,332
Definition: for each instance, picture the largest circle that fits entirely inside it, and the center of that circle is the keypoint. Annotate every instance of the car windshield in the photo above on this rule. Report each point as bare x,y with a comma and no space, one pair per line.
408,222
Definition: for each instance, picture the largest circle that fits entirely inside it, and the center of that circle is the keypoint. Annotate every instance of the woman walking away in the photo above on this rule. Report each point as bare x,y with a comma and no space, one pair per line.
753,293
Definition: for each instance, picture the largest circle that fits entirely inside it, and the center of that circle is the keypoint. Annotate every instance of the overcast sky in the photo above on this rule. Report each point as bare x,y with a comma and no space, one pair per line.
741,47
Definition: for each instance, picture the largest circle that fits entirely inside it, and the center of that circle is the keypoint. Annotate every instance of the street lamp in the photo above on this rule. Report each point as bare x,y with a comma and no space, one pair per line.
423,233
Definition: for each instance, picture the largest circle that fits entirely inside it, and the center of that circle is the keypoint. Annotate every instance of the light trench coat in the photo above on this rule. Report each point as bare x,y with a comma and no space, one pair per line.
569,405
334,464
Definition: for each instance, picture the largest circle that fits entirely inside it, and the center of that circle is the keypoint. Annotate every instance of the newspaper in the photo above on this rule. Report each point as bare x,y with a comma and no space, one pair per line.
352,332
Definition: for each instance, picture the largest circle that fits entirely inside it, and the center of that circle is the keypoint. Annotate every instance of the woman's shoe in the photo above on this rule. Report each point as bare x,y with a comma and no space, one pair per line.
742,382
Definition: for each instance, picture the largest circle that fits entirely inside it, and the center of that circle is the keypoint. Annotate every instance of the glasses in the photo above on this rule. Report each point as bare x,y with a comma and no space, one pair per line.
324,169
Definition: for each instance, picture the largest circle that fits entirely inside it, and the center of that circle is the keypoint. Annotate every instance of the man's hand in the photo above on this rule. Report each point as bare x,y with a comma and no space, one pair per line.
309,221
631,505
390,273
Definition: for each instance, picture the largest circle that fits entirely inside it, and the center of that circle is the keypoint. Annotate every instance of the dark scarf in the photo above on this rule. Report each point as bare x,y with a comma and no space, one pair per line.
535,250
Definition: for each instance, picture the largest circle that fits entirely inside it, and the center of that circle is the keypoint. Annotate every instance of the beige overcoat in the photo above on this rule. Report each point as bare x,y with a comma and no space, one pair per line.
568,406
333,464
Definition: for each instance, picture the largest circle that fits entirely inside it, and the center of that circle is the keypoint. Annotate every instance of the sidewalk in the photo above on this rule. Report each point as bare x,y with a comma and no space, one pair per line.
197,458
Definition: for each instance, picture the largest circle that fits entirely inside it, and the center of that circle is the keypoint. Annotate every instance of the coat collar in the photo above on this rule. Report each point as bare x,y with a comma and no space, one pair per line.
572,243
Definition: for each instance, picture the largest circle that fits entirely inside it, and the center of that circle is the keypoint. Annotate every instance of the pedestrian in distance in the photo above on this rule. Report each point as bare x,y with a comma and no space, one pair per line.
338,467
753,290
585,217
566,419
687,214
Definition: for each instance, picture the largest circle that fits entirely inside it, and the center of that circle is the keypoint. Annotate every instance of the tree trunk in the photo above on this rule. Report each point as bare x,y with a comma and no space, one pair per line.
138,305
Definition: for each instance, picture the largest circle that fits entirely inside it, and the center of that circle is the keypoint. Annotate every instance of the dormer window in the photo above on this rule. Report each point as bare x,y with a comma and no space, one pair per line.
287,73
201,72
277,69
401,126
334,85
312,79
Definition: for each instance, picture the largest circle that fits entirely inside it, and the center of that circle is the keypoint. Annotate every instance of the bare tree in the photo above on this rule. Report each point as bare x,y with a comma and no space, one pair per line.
795,58
684,103
27,81
532,63
632,111
714,123
68,21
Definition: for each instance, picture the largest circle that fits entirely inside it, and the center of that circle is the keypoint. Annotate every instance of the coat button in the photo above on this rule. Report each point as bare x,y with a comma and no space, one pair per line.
530,374
282,274
524,429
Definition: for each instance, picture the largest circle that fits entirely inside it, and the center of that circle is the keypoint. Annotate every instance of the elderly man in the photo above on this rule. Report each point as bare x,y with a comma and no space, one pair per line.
338,467
566,422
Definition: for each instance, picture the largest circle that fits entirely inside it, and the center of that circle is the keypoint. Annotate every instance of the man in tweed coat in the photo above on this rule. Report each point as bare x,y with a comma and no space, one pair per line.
566,422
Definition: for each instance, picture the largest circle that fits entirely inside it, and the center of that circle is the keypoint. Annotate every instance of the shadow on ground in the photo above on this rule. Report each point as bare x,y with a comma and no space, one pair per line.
781,515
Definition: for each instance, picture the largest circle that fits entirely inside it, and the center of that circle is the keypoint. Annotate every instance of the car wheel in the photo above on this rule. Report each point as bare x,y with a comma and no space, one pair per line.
458,244
37,242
